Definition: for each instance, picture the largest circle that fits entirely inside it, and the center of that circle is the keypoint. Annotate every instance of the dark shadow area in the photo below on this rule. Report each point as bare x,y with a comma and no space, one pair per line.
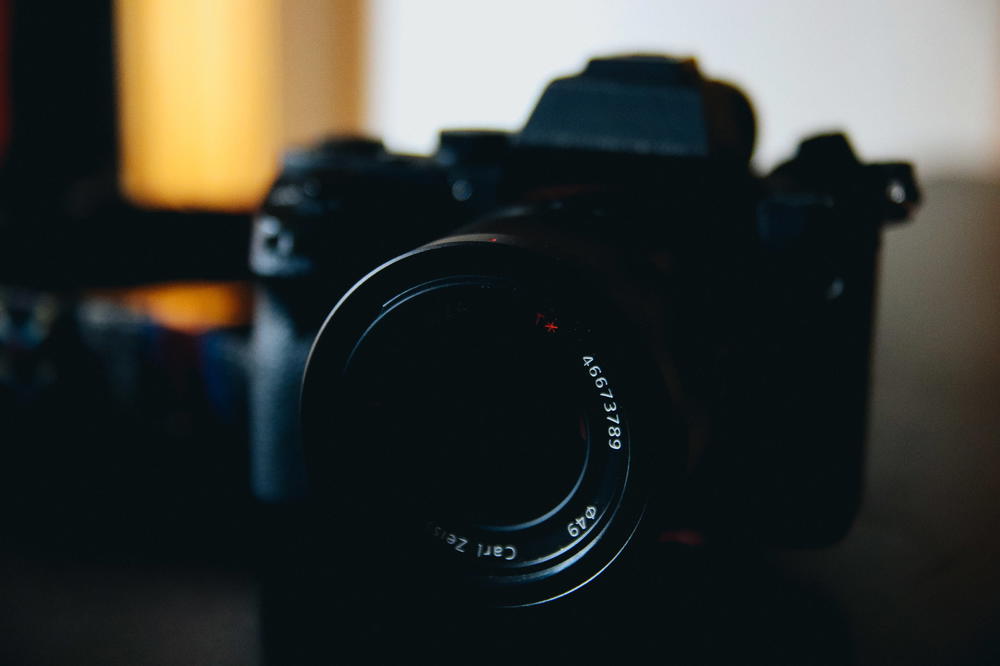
128,535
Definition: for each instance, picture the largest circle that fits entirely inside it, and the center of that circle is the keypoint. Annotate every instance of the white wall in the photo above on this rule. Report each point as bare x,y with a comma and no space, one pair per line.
918,79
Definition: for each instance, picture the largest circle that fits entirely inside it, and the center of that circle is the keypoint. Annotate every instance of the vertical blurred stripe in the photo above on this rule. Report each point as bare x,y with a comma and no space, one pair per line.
4,77
323,72
211,90
199,101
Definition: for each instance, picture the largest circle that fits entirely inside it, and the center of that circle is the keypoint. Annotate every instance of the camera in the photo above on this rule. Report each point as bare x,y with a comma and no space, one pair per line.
530,357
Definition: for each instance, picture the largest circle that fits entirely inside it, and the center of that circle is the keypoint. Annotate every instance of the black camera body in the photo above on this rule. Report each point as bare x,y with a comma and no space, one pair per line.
612,334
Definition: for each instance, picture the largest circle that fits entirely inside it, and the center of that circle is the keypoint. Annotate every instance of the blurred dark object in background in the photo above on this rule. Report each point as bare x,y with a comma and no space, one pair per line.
63,222
120,435
123,433
62,151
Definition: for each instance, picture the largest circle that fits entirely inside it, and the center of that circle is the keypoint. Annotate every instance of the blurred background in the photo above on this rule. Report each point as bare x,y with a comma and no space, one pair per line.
138,136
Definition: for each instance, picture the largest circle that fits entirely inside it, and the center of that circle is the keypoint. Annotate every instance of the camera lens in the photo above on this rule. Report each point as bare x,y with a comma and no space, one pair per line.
470,377
473,412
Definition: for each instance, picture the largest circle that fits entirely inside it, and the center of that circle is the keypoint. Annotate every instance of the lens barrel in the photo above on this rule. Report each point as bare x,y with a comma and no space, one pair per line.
480,404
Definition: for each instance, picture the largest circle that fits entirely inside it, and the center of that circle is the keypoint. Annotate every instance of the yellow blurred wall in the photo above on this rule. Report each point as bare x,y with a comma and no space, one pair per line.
211,91
198,91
